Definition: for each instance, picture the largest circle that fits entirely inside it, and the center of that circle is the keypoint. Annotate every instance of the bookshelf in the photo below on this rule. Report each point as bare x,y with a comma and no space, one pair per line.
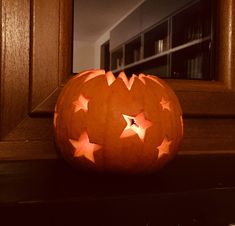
133,51
117,59
156,40
179,46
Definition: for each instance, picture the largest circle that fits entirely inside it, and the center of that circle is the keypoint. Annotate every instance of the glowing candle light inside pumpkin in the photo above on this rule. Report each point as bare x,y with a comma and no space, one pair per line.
135,125
165,104
94,74
164,148
110,78
74,141
81,103
127,82
83,147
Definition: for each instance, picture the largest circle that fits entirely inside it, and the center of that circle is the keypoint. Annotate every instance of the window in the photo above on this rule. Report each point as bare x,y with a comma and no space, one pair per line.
179,46
207,104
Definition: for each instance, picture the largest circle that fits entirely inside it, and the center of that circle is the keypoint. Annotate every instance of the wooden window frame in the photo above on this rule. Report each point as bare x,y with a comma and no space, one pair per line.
36,61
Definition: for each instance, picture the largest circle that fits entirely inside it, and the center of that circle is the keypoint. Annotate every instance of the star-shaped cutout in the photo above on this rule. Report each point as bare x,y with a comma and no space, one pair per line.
135,125
164,148
165,104
81,103
83,147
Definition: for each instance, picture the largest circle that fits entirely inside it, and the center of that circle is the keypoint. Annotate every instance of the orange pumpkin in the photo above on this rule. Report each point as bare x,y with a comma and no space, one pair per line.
117,125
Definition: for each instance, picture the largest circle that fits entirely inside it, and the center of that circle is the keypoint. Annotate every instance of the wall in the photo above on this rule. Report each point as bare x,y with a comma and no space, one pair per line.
145,16
83,56
105,37
90,57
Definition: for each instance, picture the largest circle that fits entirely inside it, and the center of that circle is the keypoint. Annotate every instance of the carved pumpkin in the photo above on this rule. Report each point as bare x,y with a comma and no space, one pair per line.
117,125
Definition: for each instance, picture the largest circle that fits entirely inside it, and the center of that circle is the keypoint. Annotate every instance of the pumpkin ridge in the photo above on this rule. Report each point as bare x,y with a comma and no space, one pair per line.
105,149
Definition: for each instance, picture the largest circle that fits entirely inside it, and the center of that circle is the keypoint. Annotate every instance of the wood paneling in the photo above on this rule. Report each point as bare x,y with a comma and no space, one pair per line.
31,139
207,103
44,50
36,57
226,42
15,20
51,52
208,135
65,40
36,53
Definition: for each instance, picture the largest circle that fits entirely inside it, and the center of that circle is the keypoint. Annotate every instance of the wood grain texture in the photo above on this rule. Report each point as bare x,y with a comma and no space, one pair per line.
25,137
27,150
47,106
14,63
208,136
65,40
31,139
226,47
207,103
44,50
204,98
52,63
32,129
36,32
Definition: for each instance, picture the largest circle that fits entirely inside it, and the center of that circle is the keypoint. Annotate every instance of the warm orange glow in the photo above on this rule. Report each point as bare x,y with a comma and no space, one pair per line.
164,148
110,78
182,124
55,119
81,74
155,80
55,116
141,78
83,147
84,72
94,74
135,125
127,82
165,104
81,104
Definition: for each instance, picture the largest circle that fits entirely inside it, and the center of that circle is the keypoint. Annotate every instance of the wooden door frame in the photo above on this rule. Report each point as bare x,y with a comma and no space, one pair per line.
36,56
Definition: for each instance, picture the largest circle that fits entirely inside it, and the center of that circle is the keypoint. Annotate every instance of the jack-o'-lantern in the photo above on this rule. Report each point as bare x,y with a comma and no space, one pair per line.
116,124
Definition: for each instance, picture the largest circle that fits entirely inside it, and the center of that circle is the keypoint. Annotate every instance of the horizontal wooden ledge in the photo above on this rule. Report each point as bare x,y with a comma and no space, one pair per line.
53,180
212,86
207,103
27,150
46,107
46,150
206,153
